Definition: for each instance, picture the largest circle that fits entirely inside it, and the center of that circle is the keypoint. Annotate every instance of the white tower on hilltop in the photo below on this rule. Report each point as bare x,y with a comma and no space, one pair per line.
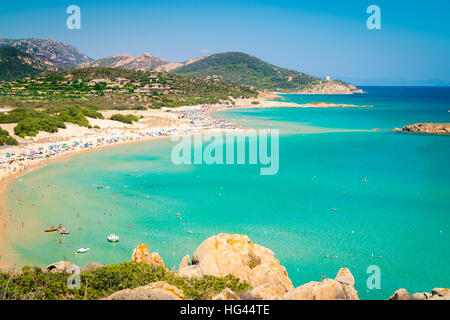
328,78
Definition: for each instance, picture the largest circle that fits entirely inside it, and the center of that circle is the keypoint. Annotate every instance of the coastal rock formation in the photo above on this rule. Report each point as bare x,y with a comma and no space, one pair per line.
341,288
401,294
330,87
226,294
264,292
434,128
62,266
436,294
185,262
142,254
226,254
154,291
191,272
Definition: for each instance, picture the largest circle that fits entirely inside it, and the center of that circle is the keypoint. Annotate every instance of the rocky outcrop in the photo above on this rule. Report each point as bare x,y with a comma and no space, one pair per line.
154,291
191,272
330,87
185,262
436,294
431,128
62,266
264,292
226,294
226,254
142,254
341,288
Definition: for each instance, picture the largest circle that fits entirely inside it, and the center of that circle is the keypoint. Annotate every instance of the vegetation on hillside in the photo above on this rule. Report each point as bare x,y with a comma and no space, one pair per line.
34,283
246,69
5,138
108,88
16,64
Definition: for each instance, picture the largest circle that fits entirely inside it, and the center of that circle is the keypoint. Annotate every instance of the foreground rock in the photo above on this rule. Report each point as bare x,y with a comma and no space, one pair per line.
436,294
142,254
341,288
433,128
185,262
226,294
154,291
227,254
191,272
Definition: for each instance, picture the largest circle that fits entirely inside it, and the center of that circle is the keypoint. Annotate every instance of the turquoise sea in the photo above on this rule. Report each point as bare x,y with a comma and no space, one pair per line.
398,220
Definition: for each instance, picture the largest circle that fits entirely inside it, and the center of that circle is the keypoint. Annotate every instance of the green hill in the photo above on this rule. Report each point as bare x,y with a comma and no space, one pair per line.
246,69
108,87
16,64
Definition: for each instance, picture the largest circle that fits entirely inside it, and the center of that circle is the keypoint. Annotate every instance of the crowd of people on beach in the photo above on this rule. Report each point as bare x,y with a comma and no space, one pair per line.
199,119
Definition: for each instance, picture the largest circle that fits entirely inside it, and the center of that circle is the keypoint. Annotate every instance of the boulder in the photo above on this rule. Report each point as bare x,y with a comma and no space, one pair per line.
436,294
415,296
154,291
440,294
346,279
142,254
62,266
401,294
265,292
226,254
185,262
190,272
340,288
304,292
226,294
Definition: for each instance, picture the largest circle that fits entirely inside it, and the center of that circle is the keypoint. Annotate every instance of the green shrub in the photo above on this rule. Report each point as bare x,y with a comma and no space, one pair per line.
5,138
128,118
92,113
32,283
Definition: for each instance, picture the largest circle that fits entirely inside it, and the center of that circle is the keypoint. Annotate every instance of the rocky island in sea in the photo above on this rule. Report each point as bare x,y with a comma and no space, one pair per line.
431,128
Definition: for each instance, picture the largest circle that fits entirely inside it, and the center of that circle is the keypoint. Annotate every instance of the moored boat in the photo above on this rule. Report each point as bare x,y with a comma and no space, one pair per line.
64,231
113,237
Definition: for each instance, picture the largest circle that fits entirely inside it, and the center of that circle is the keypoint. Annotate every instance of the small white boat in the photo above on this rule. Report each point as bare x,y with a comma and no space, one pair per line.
83,250
113,237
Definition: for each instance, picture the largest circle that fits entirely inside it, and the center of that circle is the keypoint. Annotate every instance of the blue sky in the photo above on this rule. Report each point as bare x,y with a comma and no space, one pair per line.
325,37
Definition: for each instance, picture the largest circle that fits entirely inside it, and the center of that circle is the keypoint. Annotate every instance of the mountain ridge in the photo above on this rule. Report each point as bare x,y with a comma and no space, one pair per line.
144,61
54,51
229,66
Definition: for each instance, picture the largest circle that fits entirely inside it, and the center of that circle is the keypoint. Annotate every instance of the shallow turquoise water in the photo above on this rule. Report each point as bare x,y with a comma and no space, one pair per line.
401,213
